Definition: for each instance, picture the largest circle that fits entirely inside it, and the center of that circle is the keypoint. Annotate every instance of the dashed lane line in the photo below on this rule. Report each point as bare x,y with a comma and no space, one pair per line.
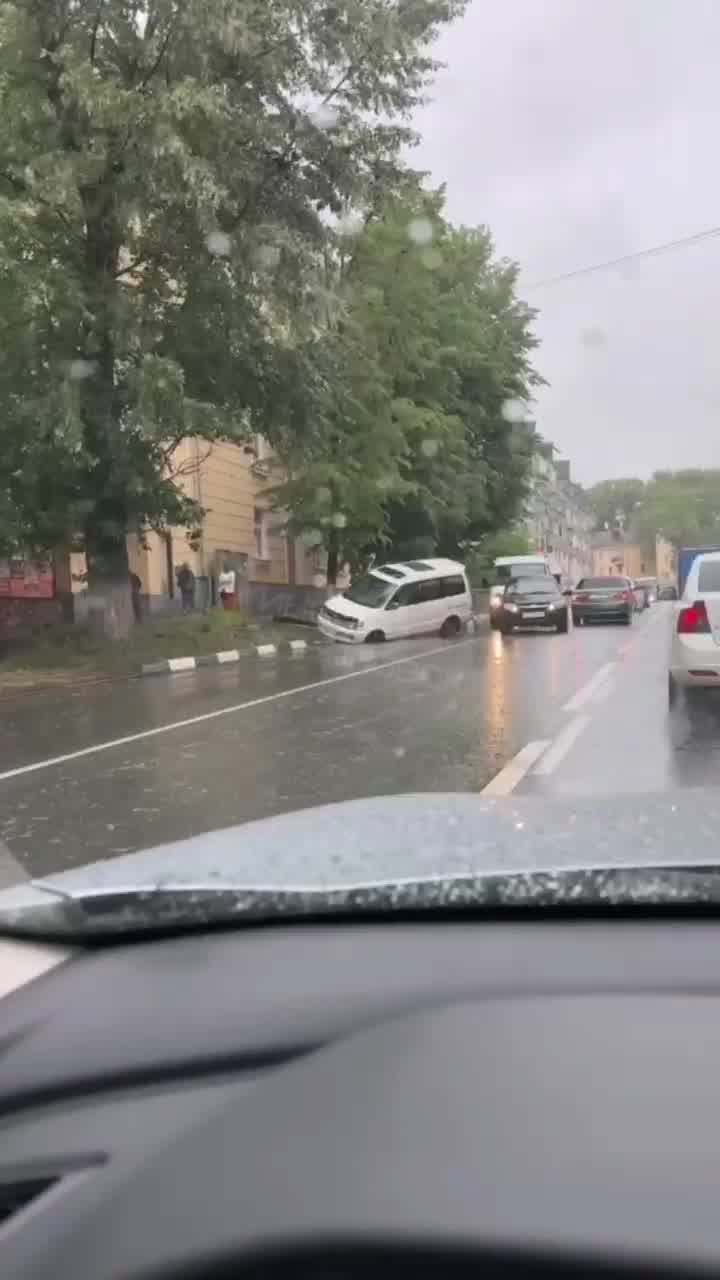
564,742
514,771
587,691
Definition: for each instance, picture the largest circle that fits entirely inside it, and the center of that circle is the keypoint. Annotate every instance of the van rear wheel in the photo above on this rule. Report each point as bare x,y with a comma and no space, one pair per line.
450,627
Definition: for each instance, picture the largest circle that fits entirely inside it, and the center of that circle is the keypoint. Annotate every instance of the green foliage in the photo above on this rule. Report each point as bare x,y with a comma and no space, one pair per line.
682,505
166,174
613,500
422,346
507,542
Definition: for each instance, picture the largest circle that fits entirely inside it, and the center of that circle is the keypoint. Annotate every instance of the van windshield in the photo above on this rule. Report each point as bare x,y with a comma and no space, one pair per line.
504,572
371,591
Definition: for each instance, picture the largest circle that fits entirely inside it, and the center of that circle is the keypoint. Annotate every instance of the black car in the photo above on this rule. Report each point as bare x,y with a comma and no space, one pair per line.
533,602
609,599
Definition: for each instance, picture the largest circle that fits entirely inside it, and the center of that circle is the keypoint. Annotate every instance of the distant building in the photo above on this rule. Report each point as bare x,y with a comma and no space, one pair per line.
665,561
556,520
614,553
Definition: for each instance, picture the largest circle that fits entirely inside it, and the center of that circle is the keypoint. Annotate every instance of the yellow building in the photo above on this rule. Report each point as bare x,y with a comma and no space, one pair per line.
613,555
665,561
230,482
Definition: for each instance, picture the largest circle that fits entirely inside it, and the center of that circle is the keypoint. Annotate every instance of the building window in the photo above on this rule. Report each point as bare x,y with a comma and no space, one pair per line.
261,534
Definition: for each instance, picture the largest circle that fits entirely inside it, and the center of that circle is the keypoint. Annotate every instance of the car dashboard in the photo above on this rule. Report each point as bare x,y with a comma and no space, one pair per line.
530,1097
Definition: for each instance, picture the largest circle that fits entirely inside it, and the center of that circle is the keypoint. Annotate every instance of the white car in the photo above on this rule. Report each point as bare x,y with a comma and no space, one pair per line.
695,650
403,599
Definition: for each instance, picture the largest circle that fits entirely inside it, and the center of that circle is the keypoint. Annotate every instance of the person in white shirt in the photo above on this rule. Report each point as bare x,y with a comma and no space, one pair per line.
226,587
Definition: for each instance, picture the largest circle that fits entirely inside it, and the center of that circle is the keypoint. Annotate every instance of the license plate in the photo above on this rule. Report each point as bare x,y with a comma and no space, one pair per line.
534,613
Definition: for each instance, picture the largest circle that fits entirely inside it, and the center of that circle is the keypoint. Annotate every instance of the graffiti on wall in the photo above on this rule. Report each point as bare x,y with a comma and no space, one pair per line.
27,579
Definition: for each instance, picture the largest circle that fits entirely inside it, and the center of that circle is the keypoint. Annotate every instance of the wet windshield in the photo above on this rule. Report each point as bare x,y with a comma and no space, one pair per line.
370,590
308,311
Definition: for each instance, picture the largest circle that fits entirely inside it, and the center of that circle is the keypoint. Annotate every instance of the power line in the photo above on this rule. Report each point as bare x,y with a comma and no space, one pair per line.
683,243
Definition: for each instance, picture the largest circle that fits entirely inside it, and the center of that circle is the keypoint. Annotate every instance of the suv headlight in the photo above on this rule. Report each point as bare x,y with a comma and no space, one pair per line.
512,608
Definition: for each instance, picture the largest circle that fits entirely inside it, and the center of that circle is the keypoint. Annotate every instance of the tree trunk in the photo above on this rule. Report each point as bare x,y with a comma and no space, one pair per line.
109,598
333,558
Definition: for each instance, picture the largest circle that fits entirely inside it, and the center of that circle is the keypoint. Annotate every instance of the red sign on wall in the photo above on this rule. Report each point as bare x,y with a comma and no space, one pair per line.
27,579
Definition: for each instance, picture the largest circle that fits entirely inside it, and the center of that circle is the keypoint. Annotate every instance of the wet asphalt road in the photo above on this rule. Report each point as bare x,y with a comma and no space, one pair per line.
547,714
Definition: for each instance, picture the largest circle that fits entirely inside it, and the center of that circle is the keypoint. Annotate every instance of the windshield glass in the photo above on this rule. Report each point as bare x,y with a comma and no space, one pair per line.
531,586
371,591
504,572
321,327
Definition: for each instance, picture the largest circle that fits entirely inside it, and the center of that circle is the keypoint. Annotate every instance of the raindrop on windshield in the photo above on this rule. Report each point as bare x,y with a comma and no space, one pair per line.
420,231
515,411
339,520
593,336
323,494
429,448
218,244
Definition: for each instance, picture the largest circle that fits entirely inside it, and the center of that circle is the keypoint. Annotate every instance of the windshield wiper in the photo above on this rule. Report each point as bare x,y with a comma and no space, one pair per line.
39,910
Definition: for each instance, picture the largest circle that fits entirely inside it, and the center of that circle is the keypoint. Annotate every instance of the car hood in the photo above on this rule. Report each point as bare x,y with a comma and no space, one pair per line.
340,604
433,838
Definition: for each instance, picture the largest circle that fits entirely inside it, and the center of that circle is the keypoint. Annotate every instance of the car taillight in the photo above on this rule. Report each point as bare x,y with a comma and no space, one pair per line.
693,619
625,596
581,596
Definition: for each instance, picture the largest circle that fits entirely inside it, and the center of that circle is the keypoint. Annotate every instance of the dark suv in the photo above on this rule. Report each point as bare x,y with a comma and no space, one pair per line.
533,602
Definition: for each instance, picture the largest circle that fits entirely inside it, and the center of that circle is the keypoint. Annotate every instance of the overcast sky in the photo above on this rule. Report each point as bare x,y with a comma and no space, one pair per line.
581,131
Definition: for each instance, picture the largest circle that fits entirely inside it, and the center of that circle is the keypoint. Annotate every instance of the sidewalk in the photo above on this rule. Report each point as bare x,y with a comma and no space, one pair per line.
72,656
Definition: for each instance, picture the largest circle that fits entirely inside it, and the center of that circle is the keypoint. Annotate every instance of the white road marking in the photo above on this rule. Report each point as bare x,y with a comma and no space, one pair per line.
585,693
514,771
265,650
11,871
229,655
562,744
298,646
181,664
603,691
227,711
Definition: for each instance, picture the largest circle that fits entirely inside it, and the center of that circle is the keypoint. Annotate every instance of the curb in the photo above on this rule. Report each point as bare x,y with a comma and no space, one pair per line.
172,665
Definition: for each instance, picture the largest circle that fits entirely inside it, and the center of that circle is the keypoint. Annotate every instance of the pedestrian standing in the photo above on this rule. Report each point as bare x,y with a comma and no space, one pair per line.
227,587
136,592
186,583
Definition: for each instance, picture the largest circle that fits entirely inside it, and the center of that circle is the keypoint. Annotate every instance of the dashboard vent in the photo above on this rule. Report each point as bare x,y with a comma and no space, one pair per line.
19,1193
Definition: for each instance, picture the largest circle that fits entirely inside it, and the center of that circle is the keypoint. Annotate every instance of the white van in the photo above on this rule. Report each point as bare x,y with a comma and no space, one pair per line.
507,567
404,599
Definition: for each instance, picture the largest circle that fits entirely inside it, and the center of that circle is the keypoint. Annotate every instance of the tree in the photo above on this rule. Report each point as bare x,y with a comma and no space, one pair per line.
615,503
507,542
166,173
424,345
684,506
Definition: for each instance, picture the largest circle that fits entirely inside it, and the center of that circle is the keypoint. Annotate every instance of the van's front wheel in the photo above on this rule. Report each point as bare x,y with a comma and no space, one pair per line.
375,637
